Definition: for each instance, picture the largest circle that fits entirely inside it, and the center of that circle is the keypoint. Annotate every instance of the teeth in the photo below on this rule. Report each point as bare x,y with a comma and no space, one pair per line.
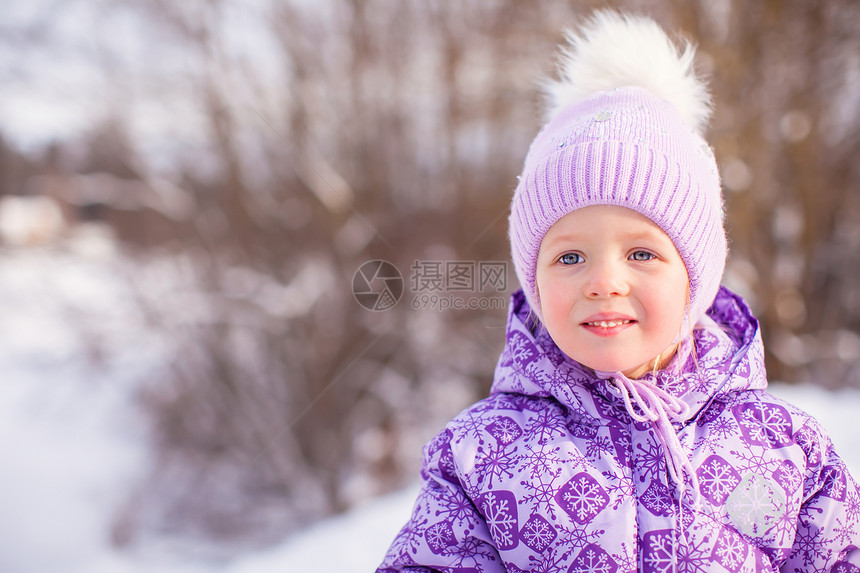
608,323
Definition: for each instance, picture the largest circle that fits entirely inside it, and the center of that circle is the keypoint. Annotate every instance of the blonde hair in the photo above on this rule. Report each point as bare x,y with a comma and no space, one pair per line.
679,355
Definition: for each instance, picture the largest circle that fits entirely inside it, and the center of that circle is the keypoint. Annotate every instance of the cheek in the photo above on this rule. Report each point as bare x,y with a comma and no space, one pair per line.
543,292
551,294
673,301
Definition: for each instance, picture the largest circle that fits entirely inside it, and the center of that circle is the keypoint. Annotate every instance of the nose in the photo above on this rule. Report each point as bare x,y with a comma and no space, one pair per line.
606,279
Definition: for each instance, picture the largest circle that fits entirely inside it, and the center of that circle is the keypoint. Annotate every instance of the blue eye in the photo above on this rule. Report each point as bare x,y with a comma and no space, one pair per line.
571,259
642,256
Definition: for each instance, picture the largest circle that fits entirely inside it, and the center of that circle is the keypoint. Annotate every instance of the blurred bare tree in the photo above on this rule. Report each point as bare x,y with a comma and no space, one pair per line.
394,133
787,133
375,129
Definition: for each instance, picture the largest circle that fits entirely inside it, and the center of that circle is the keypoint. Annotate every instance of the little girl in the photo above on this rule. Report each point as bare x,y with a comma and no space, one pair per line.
628,427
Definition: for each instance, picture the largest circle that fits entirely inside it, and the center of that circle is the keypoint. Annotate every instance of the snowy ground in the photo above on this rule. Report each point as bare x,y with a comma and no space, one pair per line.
71,445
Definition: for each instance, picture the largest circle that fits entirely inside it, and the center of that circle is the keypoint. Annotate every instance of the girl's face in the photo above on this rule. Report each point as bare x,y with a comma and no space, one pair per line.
612,289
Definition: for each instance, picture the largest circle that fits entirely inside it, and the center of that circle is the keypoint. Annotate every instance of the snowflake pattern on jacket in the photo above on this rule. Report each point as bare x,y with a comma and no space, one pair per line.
551,474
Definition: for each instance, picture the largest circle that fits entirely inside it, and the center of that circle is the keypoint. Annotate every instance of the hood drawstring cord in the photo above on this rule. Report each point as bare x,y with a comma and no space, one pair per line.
660,408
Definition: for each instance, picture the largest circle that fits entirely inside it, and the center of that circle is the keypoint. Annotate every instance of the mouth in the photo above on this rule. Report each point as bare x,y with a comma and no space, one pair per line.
607,326
607,323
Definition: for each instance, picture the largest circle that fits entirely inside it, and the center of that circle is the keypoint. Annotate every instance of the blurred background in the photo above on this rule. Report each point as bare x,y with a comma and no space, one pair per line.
187,190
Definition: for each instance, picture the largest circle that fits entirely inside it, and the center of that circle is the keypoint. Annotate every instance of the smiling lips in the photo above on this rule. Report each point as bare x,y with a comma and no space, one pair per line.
607,326
608,323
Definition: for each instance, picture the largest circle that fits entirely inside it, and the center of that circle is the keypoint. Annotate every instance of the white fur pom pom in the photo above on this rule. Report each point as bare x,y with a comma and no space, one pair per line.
612,50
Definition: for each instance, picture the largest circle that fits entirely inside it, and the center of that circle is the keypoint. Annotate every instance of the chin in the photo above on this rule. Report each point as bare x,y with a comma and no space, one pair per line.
608,365
616,364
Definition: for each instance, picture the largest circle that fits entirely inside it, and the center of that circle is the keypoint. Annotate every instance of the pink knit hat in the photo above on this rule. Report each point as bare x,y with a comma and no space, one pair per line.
625,130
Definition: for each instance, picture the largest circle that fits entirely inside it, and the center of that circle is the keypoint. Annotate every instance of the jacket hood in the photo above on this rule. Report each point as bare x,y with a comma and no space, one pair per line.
728,356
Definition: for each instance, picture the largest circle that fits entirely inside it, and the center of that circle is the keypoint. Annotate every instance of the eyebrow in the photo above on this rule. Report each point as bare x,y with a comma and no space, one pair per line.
634,236
645,235
561,239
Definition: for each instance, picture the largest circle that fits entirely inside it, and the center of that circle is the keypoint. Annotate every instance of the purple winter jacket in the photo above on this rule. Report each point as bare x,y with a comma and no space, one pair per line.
551,473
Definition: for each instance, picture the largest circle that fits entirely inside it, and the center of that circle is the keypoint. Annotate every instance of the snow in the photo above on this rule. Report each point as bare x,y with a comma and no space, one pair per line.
838,412
356,541
72,445
69,445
